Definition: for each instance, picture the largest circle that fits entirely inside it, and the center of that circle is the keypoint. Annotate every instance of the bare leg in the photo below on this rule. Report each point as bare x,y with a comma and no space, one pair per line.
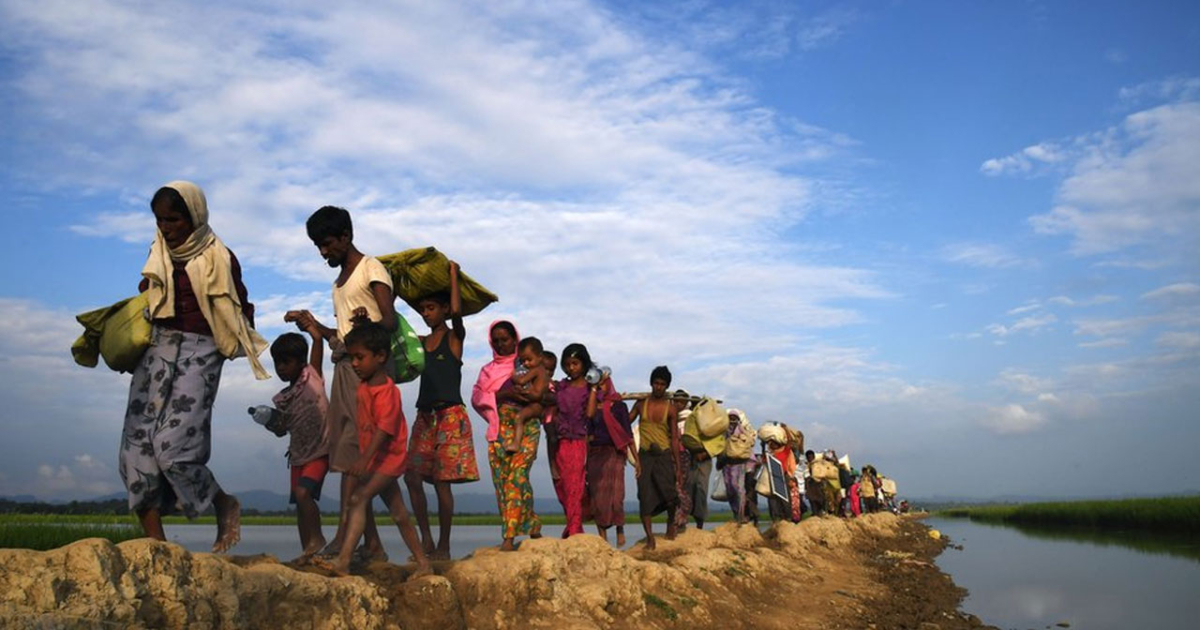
420,508
151,522
229,521
620,535
395,502
308,521
603,531
650,544
356,521
445,519
672,523
371,540
347,486
508,545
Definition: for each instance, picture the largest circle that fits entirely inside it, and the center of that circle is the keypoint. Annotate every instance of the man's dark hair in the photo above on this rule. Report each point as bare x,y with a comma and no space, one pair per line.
329,221
661,373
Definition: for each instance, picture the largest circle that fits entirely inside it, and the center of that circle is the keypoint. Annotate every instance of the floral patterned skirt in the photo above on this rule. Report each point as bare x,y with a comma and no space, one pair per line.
510,474
167,438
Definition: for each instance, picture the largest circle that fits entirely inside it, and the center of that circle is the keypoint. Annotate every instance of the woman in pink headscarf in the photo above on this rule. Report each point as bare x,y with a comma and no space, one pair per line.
495,398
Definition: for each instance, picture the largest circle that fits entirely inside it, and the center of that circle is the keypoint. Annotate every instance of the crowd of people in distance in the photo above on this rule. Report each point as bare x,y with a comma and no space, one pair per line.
202,316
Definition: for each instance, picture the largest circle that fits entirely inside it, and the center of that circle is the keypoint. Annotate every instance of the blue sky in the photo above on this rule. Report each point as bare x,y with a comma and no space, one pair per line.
957,240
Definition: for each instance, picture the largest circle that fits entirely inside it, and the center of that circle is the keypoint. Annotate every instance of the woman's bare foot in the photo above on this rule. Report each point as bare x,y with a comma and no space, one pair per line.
536,535
229,522
507,545
650,544
620,539
330,550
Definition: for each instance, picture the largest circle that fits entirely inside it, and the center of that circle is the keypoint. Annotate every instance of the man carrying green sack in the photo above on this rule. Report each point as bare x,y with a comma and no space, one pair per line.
361,292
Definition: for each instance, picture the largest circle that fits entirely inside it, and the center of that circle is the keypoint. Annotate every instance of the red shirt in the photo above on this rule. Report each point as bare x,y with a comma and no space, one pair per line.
188,317
379,410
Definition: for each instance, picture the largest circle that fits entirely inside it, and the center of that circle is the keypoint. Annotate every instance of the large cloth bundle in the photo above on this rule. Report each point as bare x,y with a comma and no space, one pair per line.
823,469
889,485
773,432
741,445
417,273
696,443
711,418
119,333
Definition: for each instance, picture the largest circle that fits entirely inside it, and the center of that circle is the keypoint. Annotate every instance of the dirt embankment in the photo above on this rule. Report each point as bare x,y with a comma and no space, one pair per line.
873,572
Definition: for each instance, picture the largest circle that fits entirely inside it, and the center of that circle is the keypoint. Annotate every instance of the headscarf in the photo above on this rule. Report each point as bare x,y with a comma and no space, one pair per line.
491,377
208,266
735,426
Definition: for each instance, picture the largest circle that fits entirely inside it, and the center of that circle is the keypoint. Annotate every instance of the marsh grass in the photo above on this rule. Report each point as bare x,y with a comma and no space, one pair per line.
1166,514
41,532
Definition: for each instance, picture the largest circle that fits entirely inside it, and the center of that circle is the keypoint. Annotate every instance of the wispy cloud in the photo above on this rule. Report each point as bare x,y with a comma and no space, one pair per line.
1012,420
985,255
1173,291
1031,324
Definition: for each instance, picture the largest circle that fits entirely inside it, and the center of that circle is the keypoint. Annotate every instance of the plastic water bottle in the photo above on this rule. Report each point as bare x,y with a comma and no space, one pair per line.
263,414
596,374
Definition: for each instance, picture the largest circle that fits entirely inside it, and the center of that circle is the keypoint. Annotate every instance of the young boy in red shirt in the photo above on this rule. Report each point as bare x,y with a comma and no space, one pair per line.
383,444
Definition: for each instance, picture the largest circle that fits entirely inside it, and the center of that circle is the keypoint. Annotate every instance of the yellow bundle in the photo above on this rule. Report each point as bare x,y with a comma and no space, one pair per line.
418,273
120,333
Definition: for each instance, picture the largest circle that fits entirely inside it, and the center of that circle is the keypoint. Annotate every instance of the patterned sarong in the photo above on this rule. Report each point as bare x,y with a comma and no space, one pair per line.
167,438
510,475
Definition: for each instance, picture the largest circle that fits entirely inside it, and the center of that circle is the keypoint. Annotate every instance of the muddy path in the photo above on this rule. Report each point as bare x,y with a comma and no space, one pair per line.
873,572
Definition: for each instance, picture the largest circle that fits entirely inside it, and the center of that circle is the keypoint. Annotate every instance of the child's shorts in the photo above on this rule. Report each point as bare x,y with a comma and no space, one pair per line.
441,447
310,475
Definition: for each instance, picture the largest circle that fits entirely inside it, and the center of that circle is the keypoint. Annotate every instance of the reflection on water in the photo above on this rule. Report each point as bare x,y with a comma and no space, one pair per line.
1033,579
283,542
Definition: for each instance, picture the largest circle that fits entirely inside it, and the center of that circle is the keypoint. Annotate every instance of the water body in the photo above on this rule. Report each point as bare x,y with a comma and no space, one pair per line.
1023,579
283,542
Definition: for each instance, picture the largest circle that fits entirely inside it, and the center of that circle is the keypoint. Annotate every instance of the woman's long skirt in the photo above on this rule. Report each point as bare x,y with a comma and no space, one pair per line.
510,475
606,484
167,438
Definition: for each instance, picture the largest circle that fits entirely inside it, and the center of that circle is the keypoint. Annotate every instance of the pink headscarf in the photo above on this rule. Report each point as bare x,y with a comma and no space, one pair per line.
491,377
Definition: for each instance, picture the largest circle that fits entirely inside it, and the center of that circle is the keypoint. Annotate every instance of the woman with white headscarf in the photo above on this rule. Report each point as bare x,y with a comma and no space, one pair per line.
201,317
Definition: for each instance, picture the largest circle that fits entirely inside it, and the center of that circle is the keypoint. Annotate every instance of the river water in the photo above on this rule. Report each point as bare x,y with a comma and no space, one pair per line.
1021,578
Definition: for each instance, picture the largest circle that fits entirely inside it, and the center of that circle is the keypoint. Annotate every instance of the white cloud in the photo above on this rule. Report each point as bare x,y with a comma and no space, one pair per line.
1110,342
1133,185
1177,290
1025,161
1171,89
1032,306
983,255
1179,340
1095,300
825,29
1024,383
1012,419
1031,324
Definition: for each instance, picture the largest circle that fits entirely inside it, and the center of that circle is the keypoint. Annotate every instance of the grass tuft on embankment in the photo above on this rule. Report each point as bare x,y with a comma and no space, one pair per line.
1175,514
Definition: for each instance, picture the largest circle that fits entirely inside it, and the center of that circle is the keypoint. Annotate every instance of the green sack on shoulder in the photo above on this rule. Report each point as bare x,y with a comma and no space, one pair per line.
419,272
119,333
407,351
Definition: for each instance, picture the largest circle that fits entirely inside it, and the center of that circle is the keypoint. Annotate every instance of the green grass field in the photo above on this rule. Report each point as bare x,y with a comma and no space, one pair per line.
48,531
1166,514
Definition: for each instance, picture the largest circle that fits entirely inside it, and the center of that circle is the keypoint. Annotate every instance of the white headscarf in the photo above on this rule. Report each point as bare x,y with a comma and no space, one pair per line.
209,268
